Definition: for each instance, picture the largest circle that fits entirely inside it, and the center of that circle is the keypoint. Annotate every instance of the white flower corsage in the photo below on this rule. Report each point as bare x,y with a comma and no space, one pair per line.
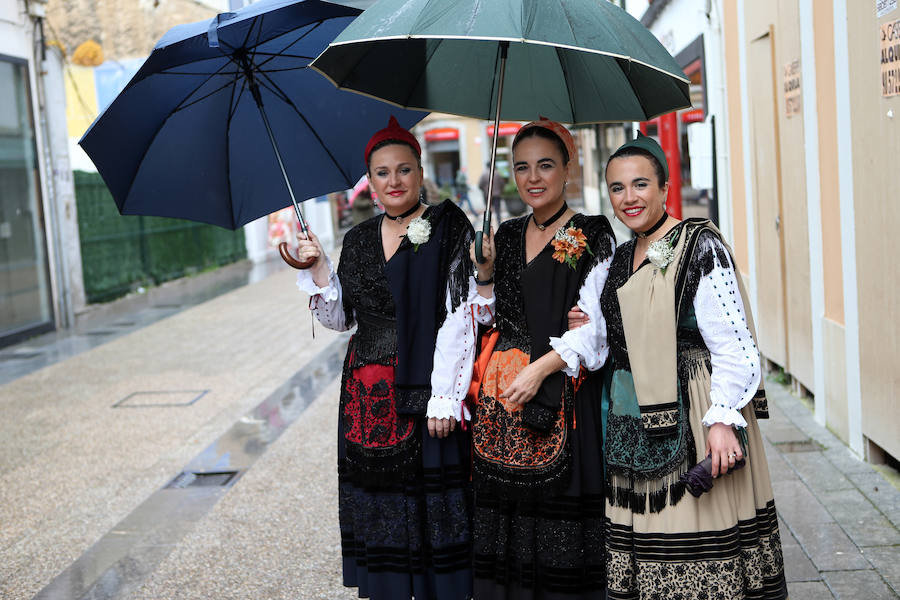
661,254
418,231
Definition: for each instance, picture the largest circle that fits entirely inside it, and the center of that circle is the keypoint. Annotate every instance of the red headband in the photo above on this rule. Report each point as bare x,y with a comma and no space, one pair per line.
393,132
561,132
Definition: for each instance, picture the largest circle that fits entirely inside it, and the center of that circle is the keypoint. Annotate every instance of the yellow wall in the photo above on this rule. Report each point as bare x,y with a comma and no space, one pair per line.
876,162
779,191
823,25
735,137
81,99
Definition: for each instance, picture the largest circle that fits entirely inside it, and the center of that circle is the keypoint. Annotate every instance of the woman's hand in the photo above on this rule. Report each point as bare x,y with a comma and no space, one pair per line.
525,385
485,269
311,248
722,445
441,428
577,318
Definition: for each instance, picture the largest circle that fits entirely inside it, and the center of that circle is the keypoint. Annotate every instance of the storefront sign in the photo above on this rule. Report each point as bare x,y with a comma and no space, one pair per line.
890,59
441,134
505,129
883,7
792,88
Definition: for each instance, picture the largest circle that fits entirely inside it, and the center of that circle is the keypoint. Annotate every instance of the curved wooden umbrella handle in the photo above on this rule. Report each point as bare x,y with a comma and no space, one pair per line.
297,264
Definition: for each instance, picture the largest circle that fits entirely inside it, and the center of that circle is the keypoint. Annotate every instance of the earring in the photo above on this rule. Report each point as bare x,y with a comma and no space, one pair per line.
422,195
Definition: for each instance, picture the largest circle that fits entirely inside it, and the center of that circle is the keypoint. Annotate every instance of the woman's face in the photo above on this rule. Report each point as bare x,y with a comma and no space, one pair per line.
539,171
634,192
395,175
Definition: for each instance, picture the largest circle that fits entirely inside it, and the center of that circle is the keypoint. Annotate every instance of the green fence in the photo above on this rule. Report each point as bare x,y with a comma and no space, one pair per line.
120,253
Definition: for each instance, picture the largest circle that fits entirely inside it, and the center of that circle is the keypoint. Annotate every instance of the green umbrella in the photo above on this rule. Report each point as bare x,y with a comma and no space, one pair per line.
574,61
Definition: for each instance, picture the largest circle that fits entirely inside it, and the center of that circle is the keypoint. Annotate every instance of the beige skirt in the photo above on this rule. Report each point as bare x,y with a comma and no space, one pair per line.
722,545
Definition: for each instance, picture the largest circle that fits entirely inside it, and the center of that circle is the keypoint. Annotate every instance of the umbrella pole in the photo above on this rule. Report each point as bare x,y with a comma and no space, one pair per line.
486,225
283,247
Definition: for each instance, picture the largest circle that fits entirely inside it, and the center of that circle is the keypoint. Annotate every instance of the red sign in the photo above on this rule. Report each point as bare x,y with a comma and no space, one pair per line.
505,129
692,116
441,134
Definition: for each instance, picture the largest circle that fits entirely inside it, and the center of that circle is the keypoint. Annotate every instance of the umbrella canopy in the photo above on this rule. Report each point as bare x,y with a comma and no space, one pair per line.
574,61
224,113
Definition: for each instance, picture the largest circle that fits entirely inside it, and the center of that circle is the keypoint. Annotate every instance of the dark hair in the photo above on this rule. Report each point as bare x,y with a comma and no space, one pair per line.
632,151
384,143
543,132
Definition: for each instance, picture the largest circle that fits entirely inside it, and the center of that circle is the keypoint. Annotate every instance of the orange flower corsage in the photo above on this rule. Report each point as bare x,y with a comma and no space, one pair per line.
569,244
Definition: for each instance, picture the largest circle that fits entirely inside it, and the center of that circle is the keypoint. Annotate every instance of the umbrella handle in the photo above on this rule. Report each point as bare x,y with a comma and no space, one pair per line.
479,238
297,264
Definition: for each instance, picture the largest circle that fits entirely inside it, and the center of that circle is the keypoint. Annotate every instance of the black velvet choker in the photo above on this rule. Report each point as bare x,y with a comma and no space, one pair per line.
399,218
655,227
558,214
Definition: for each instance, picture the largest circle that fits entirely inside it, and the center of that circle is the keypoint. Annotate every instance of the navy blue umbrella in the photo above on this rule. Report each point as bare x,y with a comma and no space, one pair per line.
224,115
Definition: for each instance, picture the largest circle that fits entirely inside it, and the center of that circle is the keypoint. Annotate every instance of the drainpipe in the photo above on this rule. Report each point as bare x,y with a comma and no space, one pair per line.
63,306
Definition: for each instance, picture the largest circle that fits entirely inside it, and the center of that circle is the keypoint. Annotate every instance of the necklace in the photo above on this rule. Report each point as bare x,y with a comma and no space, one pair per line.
559,213
662,219
399,218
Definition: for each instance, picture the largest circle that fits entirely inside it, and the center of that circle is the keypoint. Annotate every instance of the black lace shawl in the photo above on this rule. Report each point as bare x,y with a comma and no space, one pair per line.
558,286
369,299
653,464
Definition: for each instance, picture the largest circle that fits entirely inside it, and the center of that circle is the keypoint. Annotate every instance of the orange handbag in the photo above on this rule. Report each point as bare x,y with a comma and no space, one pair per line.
486,348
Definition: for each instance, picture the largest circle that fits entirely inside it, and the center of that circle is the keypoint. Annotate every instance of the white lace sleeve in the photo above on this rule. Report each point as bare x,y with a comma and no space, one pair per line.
722,321
454,355
325,302
587,345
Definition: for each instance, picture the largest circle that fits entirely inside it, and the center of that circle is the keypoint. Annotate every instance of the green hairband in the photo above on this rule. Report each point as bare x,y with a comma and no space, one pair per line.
648,144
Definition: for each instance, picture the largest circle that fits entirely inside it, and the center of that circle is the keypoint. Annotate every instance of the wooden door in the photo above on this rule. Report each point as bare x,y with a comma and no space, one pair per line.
770,288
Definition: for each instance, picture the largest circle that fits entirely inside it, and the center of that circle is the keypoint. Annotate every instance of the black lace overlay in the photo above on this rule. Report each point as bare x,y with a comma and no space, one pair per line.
510,261
691,271
366,297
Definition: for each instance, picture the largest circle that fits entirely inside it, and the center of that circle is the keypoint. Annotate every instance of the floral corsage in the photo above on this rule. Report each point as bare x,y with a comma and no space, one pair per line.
569,244
661,254
418,231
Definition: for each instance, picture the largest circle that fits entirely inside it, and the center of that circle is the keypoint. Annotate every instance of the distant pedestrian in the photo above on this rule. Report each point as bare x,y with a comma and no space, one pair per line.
462,190
403,463
496,194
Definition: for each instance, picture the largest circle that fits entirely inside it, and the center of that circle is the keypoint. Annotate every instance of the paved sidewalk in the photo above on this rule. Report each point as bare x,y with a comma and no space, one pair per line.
77,474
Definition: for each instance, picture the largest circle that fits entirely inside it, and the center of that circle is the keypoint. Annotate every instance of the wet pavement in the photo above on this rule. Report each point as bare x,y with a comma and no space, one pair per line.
191,454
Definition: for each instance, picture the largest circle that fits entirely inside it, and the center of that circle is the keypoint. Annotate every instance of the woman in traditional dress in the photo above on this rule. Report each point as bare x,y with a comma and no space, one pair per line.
403,463
684,384
537,433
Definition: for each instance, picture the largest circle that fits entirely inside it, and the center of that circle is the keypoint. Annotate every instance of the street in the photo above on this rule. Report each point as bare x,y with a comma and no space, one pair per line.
193,457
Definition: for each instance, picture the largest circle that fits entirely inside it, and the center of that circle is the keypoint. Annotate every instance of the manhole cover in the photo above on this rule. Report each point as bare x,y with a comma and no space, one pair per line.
801,446
160,398
188,479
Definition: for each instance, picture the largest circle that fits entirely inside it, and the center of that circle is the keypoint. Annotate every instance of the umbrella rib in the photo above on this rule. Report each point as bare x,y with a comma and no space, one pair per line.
274,55
421,74
182,106
565,71
312,130
636,96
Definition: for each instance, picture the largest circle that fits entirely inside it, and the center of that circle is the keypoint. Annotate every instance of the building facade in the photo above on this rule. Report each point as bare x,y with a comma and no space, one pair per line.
31,274
813,98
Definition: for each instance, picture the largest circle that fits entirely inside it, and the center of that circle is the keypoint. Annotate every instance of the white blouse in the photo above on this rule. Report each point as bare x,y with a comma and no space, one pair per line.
454,349
722,322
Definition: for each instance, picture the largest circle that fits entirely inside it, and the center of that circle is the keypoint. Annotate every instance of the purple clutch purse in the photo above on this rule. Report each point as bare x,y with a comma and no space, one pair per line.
699,478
